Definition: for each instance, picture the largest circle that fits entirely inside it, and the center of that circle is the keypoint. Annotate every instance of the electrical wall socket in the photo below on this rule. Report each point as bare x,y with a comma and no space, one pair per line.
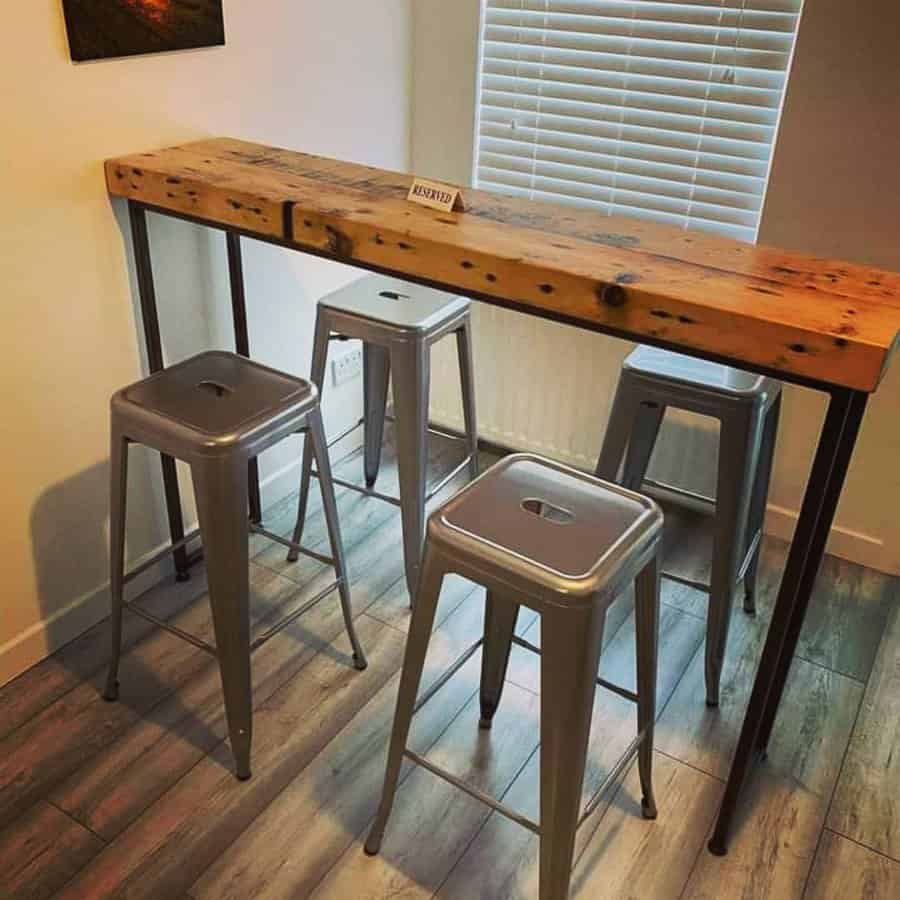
347,367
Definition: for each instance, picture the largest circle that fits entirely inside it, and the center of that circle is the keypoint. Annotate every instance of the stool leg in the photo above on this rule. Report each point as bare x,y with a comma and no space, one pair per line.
410,677
317,375
320,450
500,614
467,383
644,432
411,364
220,488
376,374
738,443
118,483
646,615
618,428
758,501
570,652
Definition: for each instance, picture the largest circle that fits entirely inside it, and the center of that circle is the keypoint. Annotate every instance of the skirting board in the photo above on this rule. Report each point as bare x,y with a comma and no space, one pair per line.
56,630
857,547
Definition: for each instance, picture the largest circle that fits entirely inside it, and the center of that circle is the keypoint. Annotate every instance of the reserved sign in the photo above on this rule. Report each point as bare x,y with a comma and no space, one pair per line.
435,195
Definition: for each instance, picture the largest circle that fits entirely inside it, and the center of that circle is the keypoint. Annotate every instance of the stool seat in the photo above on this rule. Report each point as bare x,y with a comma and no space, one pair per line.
398,303
218,399
552,525
656,363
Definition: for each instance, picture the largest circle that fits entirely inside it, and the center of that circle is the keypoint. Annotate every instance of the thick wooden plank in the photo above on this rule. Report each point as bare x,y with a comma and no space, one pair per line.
41,851
783,311
330,803
772,850
845,870
867,802
181,834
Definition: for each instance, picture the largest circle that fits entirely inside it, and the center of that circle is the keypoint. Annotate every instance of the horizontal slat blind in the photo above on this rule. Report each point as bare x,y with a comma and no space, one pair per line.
665,109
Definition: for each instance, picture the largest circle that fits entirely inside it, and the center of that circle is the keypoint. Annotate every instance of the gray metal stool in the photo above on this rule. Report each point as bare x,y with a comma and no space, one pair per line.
565,545
397,322
216,412
747,407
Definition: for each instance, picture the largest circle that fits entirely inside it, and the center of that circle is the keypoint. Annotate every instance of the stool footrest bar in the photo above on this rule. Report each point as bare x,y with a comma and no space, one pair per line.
366,492
613,776
607,685
162,554
448,478
680,492
319,557
172,629
688,582
487,799
292,617
461,660
346,433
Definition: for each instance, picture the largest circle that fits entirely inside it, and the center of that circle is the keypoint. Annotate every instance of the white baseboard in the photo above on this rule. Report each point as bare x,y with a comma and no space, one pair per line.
47,635
846,543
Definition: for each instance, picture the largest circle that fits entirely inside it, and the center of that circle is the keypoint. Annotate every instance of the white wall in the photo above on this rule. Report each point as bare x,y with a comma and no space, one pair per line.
331,78
833,188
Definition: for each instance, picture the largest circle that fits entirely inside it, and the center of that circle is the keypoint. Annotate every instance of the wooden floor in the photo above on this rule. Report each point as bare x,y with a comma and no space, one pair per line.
136,798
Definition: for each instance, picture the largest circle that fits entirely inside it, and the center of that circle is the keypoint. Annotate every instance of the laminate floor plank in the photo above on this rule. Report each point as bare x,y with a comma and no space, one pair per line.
786,799
41,851
845,870
69,732
432,822
866,806
82,658
289,848
182,833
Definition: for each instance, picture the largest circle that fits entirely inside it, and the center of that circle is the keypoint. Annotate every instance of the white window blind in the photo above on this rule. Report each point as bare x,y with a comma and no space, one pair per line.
665,109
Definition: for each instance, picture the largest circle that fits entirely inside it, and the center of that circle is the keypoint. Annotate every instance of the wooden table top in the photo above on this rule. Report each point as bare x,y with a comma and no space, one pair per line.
811,319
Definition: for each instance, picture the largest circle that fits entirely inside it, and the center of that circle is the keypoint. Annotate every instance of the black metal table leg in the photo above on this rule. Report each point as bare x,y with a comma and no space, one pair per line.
150,317
242,346
835,448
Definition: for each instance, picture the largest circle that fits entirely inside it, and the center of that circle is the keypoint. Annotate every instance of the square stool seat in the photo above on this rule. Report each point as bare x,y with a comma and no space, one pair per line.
653,362
547,525
394,302
215,401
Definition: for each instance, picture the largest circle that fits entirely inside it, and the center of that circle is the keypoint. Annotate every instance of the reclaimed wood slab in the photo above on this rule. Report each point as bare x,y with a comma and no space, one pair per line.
829,322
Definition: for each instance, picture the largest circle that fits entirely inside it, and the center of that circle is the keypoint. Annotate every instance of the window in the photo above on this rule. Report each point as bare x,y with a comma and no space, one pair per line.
664,109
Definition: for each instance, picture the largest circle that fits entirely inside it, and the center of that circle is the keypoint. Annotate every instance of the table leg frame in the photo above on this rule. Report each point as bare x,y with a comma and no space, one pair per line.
823,490
242,347
153,342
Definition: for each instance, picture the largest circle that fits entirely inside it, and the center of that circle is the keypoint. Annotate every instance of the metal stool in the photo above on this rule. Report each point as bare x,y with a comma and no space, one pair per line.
747,407
216,412
565,545
397,323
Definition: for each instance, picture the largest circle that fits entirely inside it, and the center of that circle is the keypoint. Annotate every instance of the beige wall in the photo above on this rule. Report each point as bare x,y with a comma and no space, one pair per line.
326,77
833,192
